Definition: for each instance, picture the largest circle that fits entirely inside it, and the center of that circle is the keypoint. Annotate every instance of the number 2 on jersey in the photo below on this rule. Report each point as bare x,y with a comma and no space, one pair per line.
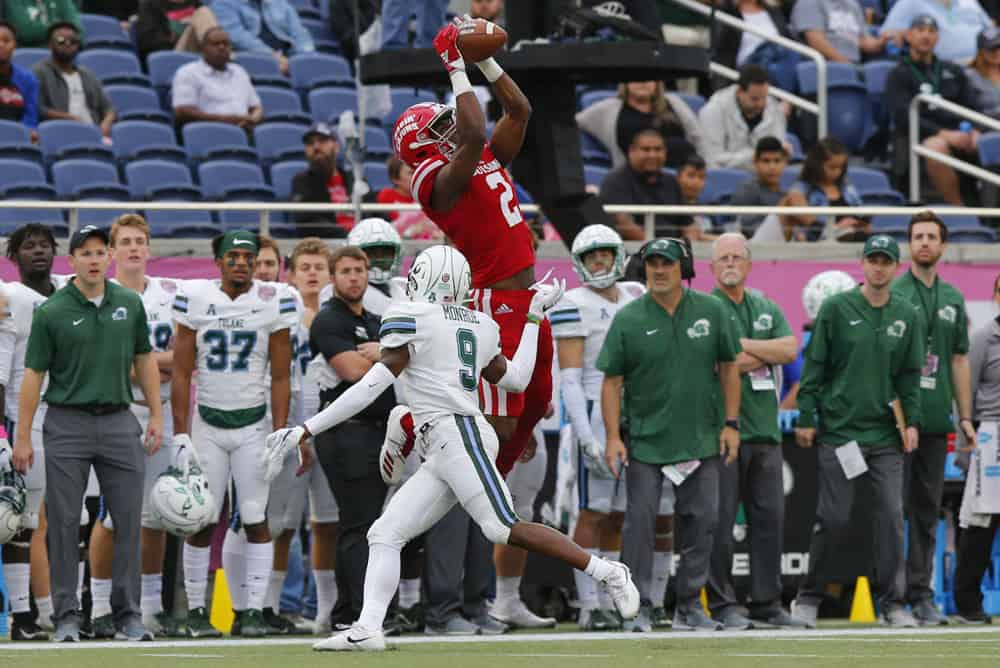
467,356
511,212
218,353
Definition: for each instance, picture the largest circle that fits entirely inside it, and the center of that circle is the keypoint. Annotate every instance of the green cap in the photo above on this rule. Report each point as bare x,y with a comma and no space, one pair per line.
881,243
666,248
237,239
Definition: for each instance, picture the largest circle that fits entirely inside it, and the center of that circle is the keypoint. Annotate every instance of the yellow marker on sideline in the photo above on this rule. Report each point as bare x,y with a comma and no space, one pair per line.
704,601
862,608
222,616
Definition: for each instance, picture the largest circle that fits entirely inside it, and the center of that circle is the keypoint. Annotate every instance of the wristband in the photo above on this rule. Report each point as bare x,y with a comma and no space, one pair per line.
490,69
534,319
960,421
460,83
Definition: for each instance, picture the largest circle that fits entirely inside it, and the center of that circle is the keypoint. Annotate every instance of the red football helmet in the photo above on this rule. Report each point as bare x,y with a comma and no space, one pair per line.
424,130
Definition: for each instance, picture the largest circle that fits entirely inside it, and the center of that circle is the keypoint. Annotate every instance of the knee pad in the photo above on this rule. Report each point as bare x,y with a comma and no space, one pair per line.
385,532
84,517
481,510
495,530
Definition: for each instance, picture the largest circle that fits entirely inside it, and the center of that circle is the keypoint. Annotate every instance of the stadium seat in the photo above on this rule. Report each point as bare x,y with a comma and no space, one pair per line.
848,119
865,179
883,198
281,177
989,149
160,179
136,103
27,57
87,179
981,235
226,179
277,142
15,143
61,140
114,66
101,217
403,98
262,68
593,152
377,143
104,32
314,70
326,104
720,184
28,191
181,223
318,29
11,219
888,222
836,73
142,140
594,175
282,105
594,96
20,172
789,176
306,9
205,140
696,102
377,176
163,65
12,132
961,222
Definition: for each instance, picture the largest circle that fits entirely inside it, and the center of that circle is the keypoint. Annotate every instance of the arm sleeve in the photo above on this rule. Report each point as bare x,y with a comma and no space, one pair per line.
354,400
228,15
813,369
184,89
142,345
329,335
907,380
611,359
40,344
520,369
575,401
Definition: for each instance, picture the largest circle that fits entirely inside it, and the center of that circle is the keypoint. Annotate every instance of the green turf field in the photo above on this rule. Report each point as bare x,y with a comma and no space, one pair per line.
828,647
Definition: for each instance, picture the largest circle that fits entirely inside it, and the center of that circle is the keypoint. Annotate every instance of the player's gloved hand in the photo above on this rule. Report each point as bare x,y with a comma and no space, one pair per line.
445,43
6,454
593,459
391,462
546,296
277,446
181,442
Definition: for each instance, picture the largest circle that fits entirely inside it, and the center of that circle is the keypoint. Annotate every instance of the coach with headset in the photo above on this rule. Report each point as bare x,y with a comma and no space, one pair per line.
676,429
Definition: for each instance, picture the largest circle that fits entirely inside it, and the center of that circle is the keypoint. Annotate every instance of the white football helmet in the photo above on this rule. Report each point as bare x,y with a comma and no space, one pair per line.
439,275
823,285
12,499
378,233
181,499
593,237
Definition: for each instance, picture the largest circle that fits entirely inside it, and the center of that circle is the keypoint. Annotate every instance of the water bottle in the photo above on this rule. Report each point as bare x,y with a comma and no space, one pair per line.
965,126
892,50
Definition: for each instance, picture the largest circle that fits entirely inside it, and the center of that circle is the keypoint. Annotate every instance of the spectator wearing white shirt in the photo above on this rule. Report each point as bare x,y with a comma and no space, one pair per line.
214,88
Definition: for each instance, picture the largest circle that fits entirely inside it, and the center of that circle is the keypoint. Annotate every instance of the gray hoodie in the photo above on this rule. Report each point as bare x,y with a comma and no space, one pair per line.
984,361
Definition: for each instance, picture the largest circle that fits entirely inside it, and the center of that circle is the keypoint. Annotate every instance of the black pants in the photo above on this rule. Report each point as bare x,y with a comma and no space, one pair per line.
923,484
458,569
348,454
975,545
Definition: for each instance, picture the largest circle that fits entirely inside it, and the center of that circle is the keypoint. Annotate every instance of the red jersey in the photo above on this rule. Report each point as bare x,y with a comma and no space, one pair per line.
485,224
337,188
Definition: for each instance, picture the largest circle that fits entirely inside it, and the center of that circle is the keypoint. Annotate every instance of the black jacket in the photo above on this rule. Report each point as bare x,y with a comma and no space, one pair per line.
342,22
310,186
152,27
947,79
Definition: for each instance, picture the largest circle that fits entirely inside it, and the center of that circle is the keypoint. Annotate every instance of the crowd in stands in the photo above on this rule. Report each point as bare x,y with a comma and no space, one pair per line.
274,69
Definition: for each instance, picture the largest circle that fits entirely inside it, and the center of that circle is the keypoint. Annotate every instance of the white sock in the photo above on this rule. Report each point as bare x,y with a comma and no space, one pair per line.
100,594
508,589
152,594
196,574
381,581
275,583
260,559
661,576
326,593
586,586
234,563
80,567
18,578
409,592
603,597
45,610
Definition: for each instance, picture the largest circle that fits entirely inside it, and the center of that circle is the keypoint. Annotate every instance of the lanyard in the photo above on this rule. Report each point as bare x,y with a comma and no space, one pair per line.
932,310
934,83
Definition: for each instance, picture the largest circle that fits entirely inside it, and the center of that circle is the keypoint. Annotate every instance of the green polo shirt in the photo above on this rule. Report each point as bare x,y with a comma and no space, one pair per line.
943,310
858,360
88,350
757,317
673,398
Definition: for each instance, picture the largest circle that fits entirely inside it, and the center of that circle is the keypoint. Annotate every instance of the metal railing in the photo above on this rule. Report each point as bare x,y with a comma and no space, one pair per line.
917,150
819,107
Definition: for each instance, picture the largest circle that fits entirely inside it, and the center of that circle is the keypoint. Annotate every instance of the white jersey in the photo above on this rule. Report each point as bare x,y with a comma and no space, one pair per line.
584,313
374,301
22,304
158,298
449,348
232,337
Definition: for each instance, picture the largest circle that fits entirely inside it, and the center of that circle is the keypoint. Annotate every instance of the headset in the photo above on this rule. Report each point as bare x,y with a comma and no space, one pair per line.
635,270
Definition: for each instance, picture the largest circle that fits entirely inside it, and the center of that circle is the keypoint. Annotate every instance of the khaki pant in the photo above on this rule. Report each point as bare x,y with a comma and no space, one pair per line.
201,21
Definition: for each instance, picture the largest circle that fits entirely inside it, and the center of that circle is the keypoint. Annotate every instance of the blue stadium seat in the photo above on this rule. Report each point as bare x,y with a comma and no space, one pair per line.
836,73
61,140
102,217
720,184
403,98
790,176
15,143
12,132
377,142
314,70
306,9
981,235
142,140
160,179
326,104
961,222
696,102
216,141
104,32
318,29
197,224
377,176
849,119
865,179
20,172
876,75
27,57
11,219
989,149
163,65
137,103
282,106
113,66
87,179
28,191
282,174
277,142
593,151
263,69
229,179
594,96
594,175
889,222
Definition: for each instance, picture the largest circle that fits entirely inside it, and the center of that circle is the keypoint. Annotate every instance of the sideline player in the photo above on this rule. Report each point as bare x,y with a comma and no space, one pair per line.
230,331
130,250
32,249
441,349
580,323
381,243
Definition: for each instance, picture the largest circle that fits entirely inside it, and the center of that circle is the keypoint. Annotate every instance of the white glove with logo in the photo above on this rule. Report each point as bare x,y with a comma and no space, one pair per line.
277,446
182,441
391,462
546,296
593,459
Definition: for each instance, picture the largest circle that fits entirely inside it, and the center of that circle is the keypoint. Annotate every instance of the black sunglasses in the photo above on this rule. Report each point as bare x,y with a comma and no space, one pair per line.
67,40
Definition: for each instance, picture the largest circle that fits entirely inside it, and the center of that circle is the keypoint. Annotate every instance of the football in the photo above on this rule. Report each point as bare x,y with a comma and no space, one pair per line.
486,40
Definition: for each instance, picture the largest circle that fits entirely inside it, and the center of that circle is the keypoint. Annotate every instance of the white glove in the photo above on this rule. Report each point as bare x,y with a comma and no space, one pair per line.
277,446
6,453
182,441
593,459
391,462
546,296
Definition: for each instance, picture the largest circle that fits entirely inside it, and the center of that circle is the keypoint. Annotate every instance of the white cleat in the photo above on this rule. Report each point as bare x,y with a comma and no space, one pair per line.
354,639
622,590
517,615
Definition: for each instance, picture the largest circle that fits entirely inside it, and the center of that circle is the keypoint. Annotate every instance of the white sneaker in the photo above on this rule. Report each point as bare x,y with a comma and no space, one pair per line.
514,612
622,590
354,639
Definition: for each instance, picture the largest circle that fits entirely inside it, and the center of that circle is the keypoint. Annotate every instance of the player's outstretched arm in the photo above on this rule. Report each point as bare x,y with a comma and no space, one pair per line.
180,380
453,178
508,136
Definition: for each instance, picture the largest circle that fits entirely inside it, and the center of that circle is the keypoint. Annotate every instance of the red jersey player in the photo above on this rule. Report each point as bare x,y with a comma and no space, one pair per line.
461,184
